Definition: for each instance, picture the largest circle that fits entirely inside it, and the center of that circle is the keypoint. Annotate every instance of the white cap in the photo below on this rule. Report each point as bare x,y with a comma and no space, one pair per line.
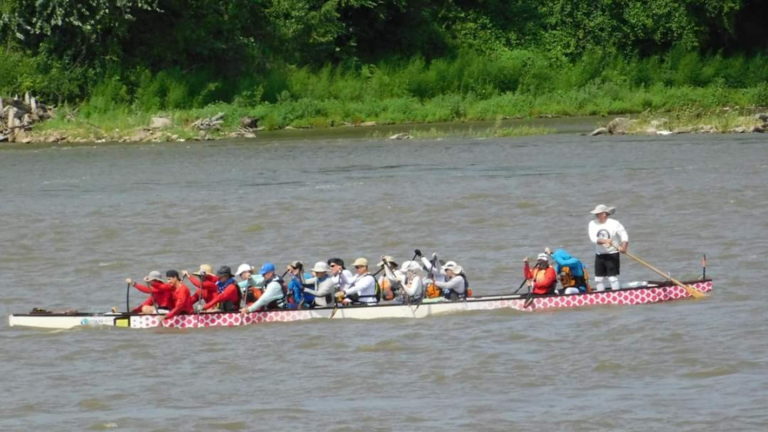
360,262
543,257
244,268
321,267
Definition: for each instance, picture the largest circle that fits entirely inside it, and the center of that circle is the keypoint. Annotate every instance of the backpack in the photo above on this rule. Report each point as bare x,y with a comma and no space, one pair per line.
384,291
433,291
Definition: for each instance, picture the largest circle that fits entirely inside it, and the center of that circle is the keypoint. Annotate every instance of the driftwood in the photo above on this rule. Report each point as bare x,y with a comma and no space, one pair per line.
210,123
18,115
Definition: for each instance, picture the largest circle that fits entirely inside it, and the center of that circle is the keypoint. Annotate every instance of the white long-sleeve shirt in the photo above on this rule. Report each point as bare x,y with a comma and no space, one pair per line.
343,279
456,284
611,230
322,289
437,272
365,287
414,287
272,292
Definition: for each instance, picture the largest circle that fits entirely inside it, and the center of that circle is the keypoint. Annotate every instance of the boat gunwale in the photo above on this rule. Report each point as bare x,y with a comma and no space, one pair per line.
478,299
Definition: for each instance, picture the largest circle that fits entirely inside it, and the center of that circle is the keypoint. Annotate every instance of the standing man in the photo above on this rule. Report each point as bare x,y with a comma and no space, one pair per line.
605,232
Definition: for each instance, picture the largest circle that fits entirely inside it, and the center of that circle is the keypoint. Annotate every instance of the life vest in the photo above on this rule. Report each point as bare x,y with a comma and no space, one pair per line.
229,306
282,301
385,288
433,291
539,275
377,294
567,280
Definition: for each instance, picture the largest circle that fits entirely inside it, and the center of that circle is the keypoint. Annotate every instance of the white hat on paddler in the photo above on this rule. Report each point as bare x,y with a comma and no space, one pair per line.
543,257
321,267
602,208
455,268
360,262
244,268
155,275
410,266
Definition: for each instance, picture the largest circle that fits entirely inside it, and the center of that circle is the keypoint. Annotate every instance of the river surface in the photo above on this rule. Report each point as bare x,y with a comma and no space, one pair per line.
76,221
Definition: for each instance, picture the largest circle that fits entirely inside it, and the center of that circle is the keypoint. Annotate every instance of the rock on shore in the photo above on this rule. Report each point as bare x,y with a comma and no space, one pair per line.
18,115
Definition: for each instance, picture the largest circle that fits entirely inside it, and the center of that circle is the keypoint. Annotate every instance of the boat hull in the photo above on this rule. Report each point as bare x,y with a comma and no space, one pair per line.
632,296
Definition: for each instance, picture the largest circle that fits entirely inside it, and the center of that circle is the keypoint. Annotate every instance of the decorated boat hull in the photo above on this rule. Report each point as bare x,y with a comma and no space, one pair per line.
632,296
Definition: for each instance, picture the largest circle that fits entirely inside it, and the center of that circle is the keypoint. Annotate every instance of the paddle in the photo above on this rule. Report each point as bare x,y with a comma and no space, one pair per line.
128,298
691,290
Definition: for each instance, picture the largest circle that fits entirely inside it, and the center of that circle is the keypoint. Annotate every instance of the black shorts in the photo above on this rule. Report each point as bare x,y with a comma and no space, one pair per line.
607,265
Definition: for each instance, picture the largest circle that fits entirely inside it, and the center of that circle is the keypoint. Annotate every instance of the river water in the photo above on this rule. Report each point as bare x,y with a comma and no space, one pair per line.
77,220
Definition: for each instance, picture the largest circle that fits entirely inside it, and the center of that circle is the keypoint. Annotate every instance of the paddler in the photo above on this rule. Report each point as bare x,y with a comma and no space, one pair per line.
274,296
455,286
228,297
182,299
362,289
392,279
251,284
414,285
209,289
605,232
542,278
296,286
321,286
160,294
340,275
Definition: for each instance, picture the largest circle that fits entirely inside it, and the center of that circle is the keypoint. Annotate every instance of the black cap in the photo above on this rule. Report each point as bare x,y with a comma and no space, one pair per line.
337,261
172,273
224,271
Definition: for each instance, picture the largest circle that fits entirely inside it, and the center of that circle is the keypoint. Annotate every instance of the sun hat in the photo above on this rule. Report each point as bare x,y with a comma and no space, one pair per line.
543,257
224,271
321,267
204,268
155,275
360,262
602,208
451,265
244,268
410,266
387,259
266,268
297,264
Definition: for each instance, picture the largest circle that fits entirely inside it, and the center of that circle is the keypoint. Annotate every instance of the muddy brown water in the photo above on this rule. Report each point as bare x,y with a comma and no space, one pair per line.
77,220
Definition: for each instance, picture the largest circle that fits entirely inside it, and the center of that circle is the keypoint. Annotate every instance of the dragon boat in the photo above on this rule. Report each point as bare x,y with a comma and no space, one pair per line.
637,293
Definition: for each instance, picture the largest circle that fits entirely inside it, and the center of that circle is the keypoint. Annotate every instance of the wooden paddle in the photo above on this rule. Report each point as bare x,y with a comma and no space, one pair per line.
691,290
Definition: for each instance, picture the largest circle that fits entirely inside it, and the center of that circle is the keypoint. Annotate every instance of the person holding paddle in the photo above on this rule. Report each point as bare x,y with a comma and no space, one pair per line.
182,299
160,298
204,281
610,239
228,297
542,278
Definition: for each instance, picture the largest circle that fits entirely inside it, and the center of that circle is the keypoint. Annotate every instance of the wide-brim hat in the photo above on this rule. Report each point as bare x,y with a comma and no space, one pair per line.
155,275
321,267
387,259
602,208
360,262
410,266
204,268
451,265
224,271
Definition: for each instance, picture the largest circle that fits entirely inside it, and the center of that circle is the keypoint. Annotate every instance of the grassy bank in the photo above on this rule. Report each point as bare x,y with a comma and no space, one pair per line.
467,87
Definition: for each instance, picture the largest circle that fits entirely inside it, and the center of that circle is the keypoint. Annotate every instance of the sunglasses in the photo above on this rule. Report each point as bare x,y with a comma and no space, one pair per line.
359,266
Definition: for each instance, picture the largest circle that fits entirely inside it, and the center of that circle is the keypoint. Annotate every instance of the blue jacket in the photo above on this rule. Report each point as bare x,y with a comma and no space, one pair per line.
295,289
564,259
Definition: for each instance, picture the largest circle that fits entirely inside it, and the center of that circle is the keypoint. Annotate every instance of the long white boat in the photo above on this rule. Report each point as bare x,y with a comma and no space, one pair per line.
642,294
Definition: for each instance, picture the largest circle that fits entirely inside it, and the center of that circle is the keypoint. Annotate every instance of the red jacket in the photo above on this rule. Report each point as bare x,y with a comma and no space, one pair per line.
231,293
182,301
544,281
209,289
161,294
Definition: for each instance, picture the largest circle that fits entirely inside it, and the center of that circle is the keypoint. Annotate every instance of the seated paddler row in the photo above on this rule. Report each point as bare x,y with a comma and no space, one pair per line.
327,283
